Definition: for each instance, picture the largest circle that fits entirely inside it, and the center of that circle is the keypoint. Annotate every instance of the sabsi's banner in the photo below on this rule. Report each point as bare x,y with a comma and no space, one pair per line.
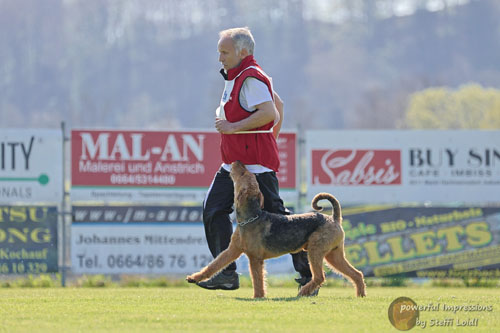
30,165
149,166
405,166
424,242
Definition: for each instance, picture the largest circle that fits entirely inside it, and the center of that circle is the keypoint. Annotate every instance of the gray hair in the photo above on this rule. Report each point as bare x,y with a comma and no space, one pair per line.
242,38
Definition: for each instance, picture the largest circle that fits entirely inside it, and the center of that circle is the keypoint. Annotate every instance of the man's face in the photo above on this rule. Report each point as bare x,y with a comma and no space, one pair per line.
227,53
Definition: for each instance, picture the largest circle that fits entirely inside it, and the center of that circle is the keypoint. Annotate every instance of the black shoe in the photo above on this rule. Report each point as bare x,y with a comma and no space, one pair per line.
303,280
222,280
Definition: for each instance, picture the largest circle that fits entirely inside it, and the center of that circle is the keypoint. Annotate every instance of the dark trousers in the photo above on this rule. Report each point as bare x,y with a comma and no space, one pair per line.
218,206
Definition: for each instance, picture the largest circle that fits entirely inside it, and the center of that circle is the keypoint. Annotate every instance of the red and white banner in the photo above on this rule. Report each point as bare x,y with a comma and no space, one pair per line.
153,166
357,167
405,166
287,175
142,166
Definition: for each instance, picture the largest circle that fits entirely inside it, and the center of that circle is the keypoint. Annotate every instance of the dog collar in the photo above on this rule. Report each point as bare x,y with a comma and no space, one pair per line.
250,220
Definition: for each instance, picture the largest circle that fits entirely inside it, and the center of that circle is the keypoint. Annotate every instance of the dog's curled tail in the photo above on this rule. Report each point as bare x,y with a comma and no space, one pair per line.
337,212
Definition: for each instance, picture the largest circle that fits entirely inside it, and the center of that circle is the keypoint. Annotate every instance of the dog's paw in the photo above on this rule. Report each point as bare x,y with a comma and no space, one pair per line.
191,279
306,292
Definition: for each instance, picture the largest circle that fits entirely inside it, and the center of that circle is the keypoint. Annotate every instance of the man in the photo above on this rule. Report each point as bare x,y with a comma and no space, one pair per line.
249,119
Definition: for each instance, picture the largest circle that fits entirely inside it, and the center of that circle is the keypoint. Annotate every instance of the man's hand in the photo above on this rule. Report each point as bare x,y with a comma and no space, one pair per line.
224,126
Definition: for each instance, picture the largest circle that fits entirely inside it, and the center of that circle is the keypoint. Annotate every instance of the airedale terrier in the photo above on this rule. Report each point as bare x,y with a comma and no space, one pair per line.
262,235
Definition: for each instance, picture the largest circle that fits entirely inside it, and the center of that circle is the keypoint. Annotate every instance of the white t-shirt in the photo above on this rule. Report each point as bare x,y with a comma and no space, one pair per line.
253,92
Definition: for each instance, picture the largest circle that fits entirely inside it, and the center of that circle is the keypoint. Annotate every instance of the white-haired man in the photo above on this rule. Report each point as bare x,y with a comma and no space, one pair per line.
249,119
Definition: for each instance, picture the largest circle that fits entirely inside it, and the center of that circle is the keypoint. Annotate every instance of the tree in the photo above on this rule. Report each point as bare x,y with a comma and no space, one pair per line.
469,107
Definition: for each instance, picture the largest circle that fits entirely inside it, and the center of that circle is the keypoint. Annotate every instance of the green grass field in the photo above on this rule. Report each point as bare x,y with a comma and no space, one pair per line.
193,309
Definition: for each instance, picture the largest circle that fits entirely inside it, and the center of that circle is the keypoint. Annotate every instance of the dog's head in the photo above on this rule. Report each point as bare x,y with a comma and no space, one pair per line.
246,187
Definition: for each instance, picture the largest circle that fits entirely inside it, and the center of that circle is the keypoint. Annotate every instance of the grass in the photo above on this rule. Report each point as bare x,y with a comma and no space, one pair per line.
190,308
140,281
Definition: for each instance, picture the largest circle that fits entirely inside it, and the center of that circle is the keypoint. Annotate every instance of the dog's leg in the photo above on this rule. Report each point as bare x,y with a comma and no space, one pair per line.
315,256
223,259
258,277
337,261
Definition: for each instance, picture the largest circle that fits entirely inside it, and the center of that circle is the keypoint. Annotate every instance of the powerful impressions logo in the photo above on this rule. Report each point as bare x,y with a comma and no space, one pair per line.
403,313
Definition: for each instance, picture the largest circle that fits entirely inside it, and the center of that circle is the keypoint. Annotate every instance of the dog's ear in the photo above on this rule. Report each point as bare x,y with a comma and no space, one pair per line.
261,197
239,196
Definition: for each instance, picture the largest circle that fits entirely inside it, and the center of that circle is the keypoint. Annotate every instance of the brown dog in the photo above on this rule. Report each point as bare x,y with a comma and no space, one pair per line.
262,235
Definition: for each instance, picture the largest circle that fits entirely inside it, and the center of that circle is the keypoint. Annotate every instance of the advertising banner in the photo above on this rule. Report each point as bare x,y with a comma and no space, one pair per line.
425,242
30,166
287,175
149,166
145,240
405,166
28,239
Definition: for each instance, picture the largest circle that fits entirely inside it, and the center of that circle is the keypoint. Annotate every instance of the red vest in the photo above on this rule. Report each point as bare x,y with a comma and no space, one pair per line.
251,148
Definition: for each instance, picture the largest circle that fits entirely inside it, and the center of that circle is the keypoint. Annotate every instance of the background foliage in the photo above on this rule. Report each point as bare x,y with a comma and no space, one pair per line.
153,63
471,106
